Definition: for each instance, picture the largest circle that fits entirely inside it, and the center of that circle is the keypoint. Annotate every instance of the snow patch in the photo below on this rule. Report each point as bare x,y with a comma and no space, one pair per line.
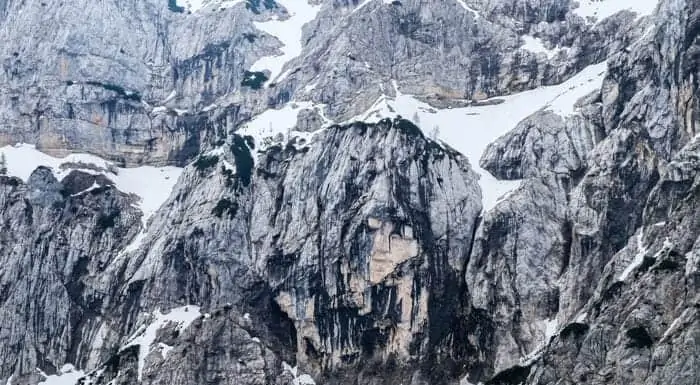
465,381
210,107
310,87
151,184
364,3
668,245
686,316
289,32
266,127
692,263
601,9
159,110
197,5
468,8
359,7
94,186
135,243
536,45
164,349
170,97
68,375
588,80
462,3
220,151
641,253
471,129
550,328
146,335
637,260
299,379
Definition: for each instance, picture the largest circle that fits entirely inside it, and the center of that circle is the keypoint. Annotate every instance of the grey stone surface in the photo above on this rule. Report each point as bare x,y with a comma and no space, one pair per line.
363,255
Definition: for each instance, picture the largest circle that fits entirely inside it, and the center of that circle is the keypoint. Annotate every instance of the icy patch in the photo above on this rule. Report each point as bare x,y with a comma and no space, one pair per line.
364,3
601,9
550,329
581,318
535,45
468,8
146,335
471,129
638,258
299,379
66,376
93,187
151,184
289,32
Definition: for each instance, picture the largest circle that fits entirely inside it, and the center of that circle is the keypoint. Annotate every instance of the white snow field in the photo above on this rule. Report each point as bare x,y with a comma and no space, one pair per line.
66,376
289,33
470,129
151,184
535,45
600,9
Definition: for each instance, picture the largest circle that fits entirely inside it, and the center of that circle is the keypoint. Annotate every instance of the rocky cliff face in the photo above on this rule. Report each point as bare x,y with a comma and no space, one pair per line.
314,236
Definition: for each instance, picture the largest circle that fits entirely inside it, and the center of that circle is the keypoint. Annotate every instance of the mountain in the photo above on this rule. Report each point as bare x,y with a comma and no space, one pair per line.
424,192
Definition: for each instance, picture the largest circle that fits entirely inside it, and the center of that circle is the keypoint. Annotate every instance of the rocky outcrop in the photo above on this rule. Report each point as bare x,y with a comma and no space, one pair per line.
155,85
355,242
364,274
52,238
612,288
